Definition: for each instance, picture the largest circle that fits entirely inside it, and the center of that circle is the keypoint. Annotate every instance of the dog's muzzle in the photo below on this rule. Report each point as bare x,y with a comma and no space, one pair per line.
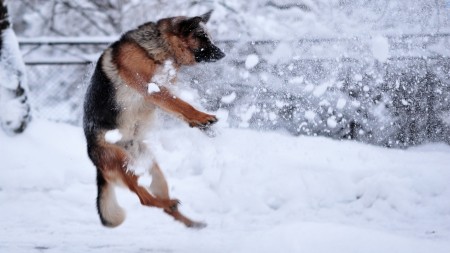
209,54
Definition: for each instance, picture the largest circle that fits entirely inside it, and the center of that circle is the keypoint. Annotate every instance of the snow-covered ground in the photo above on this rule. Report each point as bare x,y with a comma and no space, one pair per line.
258,192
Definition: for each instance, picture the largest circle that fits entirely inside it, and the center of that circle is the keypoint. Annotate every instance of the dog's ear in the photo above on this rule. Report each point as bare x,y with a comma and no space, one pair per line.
205,17
186,26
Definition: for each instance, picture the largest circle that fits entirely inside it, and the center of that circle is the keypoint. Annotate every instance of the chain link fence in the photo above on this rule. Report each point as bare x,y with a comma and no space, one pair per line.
328,87
57,90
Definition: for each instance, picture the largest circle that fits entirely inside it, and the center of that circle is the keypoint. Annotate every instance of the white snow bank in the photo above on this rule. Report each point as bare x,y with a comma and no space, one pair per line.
323,237
258,191
46,156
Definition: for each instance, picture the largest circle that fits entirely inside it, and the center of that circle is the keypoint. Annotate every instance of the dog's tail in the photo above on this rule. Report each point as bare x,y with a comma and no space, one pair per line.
111,214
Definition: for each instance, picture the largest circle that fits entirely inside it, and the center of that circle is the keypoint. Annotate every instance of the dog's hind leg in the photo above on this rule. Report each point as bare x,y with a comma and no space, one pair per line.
177,215
158,185
147,199
160,189
112,164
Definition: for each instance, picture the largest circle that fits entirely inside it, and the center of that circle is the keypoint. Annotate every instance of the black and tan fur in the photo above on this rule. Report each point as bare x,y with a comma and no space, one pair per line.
117,98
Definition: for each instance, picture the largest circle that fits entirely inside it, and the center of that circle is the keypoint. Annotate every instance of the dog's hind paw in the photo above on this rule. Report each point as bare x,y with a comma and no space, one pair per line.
197,225
171,205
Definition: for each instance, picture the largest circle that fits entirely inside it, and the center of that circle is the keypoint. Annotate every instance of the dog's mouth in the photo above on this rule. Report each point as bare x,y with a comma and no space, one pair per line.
209,54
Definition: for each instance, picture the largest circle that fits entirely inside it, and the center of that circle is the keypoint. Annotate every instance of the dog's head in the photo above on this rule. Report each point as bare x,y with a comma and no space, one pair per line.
189,36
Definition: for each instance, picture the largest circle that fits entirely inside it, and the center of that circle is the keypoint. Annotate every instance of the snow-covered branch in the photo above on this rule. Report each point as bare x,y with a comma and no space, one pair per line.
14,107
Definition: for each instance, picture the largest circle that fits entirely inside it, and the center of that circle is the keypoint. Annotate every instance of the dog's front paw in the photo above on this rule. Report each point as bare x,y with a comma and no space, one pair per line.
202,120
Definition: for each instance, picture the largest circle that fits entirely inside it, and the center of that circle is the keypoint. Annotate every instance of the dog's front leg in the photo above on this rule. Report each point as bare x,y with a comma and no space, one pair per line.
170,103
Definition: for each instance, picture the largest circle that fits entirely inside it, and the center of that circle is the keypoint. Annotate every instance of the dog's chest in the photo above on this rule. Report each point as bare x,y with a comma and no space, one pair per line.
135,113
165,74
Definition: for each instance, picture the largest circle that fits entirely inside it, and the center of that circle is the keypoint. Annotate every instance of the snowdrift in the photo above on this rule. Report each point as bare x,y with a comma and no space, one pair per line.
258,192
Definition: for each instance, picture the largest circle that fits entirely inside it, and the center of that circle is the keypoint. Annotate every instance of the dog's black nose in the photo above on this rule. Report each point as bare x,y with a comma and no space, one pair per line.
209,54
216,54
219,54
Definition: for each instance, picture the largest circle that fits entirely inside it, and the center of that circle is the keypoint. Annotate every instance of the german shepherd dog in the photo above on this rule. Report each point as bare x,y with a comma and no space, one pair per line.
131,79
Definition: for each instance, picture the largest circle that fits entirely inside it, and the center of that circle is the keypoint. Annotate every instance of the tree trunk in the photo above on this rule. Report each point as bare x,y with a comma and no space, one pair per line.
14,106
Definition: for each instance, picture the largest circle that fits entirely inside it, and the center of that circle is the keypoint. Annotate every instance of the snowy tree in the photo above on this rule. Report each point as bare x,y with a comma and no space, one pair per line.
14,107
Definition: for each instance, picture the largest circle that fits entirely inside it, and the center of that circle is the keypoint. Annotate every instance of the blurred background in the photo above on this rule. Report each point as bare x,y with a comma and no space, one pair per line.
376,71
